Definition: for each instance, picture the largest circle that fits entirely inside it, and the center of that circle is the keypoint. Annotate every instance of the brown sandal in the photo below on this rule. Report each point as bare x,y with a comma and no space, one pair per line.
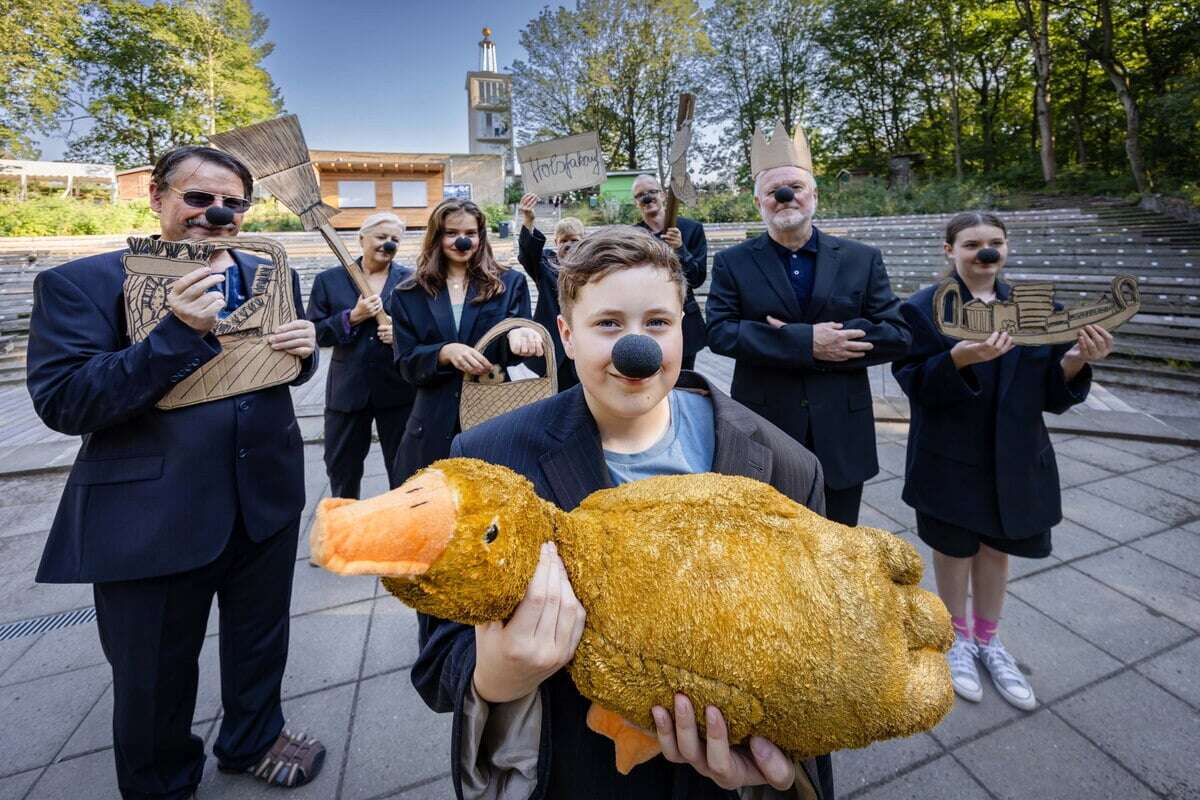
293,760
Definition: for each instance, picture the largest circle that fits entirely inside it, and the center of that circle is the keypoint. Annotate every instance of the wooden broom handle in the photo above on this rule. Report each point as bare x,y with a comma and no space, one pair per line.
356,274
687,108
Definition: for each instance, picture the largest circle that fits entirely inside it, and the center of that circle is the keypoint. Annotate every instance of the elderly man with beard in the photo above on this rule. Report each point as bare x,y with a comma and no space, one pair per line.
804,313
165,509
687,239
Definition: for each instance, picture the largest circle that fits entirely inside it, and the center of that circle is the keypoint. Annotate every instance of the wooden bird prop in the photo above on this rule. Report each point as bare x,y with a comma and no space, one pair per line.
801,630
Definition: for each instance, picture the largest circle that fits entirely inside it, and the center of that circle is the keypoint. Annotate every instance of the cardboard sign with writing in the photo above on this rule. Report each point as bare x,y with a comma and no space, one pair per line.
561,165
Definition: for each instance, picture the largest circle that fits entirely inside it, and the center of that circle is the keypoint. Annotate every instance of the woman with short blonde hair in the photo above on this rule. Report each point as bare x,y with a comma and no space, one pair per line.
363,386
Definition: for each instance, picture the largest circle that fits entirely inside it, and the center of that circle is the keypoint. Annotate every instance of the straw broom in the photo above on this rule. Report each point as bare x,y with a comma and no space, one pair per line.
276,154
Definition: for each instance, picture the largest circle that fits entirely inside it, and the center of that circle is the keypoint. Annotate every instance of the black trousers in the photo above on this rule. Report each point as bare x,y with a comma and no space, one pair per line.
842,505
152,631
348,439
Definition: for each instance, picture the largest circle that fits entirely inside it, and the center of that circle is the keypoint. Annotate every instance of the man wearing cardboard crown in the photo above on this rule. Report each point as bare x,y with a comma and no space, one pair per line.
804,313
189,482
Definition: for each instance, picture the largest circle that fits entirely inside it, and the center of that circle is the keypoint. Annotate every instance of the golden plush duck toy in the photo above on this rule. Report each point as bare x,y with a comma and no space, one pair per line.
804,631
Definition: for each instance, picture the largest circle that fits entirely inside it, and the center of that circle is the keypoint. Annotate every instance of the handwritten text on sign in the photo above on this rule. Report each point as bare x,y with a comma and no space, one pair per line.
560,165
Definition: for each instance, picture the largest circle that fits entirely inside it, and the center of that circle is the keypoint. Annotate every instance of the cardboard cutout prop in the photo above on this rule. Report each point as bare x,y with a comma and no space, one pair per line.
809,633
1029,316
781,151
246,361
562,165
276,154
680,188
490,395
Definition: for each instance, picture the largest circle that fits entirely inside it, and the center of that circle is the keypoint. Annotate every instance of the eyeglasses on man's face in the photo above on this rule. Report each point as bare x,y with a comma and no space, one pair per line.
197,199
647,196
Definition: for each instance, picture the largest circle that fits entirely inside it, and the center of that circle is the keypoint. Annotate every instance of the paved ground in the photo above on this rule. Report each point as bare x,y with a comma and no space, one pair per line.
1108,630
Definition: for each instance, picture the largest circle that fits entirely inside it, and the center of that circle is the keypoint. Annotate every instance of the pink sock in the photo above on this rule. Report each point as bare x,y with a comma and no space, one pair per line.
985,629
960,627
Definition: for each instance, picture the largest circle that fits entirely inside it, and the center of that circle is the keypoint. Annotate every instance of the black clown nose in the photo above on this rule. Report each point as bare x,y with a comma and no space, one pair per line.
389,247
637,356
784,194
218,215
462,244
988,255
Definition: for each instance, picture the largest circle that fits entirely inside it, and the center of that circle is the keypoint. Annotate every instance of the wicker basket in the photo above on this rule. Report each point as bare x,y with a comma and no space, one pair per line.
490,395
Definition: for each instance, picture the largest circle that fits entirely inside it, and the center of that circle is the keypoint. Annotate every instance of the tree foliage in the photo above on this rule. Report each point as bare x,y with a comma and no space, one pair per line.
37,66
157,75
1069,93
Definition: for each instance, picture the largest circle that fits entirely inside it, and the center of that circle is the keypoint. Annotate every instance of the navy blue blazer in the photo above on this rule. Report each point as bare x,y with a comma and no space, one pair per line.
422,325
152,492
983,460
543,268
362,370
775,373
556,445
693,255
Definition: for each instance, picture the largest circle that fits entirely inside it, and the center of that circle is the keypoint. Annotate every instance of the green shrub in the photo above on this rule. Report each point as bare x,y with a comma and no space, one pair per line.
270,215
66,216
495,212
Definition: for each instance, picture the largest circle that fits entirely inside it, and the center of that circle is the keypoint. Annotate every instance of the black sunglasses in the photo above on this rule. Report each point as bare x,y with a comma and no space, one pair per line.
237,205
646,196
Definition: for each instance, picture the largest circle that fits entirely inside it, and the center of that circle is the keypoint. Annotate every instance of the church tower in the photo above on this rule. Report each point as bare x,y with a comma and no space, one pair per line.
489,106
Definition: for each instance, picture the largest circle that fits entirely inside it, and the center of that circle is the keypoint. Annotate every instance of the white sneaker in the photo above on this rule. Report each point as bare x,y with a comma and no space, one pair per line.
962,670
1006,677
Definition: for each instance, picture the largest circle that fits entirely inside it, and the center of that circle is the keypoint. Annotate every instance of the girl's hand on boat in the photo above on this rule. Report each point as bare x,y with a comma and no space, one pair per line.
1094,343
513,658
728,767
966,353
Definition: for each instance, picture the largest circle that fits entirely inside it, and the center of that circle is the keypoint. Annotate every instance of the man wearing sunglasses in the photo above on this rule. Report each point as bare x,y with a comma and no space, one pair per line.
688,241
165,509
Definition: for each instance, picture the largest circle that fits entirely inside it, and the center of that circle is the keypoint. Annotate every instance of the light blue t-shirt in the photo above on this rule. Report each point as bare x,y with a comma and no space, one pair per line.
686,448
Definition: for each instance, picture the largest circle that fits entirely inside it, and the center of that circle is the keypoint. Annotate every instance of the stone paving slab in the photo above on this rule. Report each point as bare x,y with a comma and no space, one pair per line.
1141,726
1107,628
1176,671
1040,751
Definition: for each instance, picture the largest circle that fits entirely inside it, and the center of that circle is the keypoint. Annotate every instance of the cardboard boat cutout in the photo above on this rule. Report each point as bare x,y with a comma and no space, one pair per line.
1029,316
246,362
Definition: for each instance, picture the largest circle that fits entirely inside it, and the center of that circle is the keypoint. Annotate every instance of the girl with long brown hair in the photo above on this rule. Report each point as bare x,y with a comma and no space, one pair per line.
456,294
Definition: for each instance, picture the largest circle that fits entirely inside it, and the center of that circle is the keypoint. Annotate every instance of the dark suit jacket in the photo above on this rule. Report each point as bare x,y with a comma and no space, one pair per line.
543,268
151,492
422,326
983,460
693,255
362,370
555,444
776,374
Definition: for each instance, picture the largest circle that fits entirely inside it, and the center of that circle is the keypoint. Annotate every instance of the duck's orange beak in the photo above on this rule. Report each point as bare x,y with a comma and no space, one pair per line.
400,533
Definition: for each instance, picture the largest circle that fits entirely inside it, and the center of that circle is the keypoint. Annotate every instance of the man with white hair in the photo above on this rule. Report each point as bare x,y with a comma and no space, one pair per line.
804,314
686,237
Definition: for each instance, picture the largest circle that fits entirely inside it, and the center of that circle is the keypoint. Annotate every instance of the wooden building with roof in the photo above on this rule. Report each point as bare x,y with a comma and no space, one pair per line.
407,184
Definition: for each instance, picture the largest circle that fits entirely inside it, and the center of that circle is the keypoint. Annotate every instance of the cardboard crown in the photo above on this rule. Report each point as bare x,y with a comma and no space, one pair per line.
781,151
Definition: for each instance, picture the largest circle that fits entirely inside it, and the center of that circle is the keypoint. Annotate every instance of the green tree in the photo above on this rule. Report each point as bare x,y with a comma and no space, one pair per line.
612,66
225,41
38,60
164,74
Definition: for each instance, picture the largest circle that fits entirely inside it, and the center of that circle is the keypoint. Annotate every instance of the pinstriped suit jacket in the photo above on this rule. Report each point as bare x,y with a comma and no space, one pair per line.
556,445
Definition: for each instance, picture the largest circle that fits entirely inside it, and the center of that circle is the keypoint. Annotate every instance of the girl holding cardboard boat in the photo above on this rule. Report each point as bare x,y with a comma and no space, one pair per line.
981,472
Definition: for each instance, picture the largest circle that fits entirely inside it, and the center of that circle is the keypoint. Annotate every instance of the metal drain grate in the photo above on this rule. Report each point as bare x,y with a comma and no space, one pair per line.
29,627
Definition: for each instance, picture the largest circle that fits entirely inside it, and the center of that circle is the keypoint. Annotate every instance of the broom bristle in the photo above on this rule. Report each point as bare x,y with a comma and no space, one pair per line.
266,147
276,154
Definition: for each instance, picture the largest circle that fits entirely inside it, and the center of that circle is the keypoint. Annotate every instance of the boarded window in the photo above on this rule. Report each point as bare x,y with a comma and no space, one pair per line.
356,194
409,194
